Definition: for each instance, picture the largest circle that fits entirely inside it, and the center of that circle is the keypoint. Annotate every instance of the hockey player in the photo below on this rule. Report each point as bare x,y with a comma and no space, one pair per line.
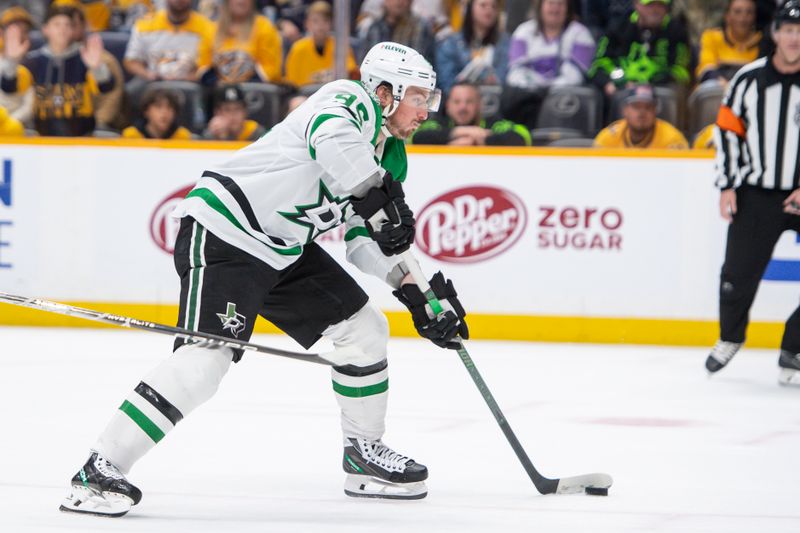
246,247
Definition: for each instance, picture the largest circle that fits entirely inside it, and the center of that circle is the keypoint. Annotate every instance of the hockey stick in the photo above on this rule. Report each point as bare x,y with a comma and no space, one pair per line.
595,484
197,337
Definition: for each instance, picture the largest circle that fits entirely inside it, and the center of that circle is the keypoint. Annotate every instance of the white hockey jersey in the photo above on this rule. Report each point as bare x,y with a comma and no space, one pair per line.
281,192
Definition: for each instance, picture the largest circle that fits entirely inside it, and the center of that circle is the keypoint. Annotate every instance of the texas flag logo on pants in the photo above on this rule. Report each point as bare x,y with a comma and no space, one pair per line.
232,320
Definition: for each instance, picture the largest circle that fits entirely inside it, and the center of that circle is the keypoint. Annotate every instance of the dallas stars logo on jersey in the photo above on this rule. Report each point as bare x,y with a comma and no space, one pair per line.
327,213
232,320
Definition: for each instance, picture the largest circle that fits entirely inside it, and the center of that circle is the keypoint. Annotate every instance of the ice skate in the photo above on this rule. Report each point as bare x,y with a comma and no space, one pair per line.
789,369
376,471
721,354
99,488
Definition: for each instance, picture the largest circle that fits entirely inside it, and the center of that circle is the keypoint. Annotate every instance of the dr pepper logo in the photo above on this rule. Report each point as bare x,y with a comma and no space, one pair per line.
470,224
164,228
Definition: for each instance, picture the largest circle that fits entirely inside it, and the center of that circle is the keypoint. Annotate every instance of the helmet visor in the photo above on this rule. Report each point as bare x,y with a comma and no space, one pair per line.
423,99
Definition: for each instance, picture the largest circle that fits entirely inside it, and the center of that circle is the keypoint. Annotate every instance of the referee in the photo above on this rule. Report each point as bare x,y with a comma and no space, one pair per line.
758,172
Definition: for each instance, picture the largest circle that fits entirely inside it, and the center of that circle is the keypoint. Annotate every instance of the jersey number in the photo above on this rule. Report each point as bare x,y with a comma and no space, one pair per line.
348,100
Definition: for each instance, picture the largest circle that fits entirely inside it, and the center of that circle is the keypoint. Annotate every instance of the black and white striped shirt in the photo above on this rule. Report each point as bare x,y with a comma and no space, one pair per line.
758,129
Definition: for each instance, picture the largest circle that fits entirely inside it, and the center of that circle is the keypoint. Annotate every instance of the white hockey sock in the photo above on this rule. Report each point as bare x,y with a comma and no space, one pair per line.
361,382
168,393
362,393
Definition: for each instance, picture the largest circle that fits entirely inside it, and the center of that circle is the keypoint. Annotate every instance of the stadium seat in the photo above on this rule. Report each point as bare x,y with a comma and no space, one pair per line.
490,100
105,134
116,42
190,96
572,108
547,136
308,90
704,105
667,106
264,102
577,142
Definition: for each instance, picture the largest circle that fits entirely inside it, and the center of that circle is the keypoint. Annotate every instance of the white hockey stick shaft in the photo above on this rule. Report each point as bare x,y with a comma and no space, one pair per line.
197,337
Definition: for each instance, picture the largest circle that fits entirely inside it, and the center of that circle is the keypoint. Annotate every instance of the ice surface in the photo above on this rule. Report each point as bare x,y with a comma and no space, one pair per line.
687,453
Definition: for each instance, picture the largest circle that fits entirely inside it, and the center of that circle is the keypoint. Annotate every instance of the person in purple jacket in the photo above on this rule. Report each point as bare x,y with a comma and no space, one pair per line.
550,50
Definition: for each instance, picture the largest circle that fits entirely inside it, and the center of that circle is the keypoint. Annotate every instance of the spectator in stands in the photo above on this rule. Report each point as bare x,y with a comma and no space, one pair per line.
209,8
704,140
311,59
599,15
650,47
125,13
247,47
230,122
400,25
700,15
290,17
476,54
65,75
107,106
172,44
15,25
640,128
160,111
9,126
96,13
550,50
464,126
438,13
35,8
444,16
723,51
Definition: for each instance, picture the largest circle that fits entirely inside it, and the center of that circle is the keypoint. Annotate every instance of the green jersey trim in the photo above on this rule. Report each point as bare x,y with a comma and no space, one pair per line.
376,108
358,231
216,204
317,123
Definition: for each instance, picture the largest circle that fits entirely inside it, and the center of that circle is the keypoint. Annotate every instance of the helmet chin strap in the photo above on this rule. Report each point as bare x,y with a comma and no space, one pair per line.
388,111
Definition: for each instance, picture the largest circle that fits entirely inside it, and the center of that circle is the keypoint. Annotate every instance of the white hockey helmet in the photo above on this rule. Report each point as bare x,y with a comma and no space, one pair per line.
401,67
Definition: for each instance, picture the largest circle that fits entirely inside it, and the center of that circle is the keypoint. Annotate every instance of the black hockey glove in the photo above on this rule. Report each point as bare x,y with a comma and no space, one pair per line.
396,232
442,329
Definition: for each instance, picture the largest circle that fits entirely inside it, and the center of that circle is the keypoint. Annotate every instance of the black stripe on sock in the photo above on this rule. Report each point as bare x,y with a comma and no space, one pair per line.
159,402
361,371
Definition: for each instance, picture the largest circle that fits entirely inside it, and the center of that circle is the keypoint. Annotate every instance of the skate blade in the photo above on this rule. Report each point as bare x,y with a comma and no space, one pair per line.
84,500
358,486
789,377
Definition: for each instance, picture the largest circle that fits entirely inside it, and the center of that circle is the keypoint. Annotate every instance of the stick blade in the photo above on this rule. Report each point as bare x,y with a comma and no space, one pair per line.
597,484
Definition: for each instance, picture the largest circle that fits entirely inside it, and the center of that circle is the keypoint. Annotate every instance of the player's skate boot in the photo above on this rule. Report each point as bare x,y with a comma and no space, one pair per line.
721,354
790,368
99,488
376,471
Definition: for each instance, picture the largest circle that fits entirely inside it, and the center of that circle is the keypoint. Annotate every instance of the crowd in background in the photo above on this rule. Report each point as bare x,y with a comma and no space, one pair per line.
231,69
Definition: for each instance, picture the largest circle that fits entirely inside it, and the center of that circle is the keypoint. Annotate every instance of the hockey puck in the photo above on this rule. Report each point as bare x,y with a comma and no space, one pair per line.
597,491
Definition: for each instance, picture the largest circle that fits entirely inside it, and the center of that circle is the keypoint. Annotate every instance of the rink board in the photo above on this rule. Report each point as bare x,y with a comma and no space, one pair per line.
560,245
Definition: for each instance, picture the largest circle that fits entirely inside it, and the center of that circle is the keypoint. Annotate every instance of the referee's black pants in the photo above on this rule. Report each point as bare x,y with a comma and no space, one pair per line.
756,228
